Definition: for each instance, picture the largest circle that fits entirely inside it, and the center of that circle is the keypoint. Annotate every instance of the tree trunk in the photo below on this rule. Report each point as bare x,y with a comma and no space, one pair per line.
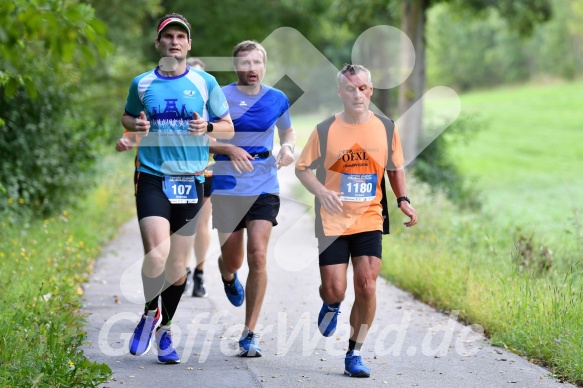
413,14
383,101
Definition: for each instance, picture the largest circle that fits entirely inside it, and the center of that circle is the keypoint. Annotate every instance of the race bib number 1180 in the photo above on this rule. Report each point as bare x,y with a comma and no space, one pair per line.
358,187
180,189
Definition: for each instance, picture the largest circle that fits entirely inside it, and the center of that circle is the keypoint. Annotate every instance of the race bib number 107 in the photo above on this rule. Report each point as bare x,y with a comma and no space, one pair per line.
180,189
358,187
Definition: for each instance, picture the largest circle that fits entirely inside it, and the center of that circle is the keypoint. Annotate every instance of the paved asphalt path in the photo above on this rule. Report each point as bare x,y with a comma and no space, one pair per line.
411,344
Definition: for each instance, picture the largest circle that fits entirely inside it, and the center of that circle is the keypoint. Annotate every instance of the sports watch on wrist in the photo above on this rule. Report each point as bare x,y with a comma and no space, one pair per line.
209,126
401,199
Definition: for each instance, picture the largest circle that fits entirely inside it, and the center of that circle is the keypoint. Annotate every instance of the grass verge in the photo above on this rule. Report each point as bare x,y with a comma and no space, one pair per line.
462,261
43,266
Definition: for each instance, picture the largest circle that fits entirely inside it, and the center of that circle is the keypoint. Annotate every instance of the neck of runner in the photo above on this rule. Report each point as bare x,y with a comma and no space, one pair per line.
351,118
249,89
179,70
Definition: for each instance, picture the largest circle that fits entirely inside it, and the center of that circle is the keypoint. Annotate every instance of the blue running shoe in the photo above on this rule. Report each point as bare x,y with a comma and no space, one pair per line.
166,352
141,340
249,346
327,319
354,367
235,292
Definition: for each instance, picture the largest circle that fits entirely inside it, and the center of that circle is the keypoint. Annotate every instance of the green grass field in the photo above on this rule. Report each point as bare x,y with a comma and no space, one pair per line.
529,159
514,268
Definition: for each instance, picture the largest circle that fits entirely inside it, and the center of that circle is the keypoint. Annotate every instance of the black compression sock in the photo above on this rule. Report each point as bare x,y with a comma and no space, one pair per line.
170,299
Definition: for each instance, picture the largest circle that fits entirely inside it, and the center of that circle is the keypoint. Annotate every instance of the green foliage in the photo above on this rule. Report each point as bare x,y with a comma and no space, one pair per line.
48,147
556,46
129,34
48,136
43,265
490,48
436,167
471,53
62,33
522,15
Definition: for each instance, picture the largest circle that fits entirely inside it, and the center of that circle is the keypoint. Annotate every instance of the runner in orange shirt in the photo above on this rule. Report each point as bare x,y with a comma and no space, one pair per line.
349,213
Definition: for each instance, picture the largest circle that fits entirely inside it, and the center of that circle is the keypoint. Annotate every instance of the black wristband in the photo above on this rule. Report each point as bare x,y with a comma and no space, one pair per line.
209,126
401,199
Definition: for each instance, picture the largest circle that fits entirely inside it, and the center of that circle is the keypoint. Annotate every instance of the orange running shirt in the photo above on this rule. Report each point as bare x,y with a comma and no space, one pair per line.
356,157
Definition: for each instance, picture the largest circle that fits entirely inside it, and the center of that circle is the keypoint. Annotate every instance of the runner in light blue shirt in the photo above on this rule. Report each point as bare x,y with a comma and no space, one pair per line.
169,103
169,109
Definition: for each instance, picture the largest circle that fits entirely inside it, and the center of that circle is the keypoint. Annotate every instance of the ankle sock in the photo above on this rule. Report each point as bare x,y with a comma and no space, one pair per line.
229,284
354,346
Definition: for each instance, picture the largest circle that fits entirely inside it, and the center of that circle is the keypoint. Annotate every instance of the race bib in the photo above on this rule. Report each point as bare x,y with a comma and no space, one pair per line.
180,189
358,187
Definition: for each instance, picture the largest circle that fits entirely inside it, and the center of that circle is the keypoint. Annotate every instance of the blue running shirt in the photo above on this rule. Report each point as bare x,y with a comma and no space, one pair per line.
169,103
255,118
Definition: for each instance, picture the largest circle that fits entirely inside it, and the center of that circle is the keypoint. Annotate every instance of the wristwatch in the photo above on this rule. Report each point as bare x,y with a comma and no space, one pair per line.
401,199
209,126
291,146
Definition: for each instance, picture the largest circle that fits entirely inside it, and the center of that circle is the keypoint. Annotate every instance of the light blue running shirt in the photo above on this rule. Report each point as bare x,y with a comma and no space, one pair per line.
169,103
255,118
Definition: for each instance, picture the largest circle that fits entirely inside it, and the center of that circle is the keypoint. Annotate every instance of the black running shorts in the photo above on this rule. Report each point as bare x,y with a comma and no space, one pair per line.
151,201
339,249
231,212
208,186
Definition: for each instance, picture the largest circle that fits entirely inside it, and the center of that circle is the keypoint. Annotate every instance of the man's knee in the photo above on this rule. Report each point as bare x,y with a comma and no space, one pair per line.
365,286
332,292
230,263
257,259
156,257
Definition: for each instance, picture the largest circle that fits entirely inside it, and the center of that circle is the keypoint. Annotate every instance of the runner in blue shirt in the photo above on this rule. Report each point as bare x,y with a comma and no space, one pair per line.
170,108
245,187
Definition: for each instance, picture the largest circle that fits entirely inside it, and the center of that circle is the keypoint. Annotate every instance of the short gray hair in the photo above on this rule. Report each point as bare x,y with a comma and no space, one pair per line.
352,70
